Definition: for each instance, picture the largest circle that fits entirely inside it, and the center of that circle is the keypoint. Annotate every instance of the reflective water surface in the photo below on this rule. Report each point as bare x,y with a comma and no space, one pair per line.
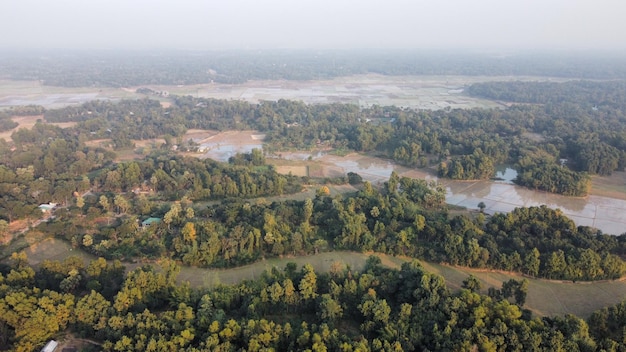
606,214
499,195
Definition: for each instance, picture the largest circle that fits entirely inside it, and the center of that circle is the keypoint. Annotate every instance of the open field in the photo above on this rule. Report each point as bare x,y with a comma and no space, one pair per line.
221,146
199,277
613,186
13,93
28,122
423,92
296,170
545,297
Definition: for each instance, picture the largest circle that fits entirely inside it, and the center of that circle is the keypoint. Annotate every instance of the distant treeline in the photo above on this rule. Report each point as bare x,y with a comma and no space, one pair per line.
123,69
593,93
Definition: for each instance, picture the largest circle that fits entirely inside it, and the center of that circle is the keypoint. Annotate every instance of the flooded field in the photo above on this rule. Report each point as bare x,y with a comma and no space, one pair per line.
605,213
15,93
423,92
221,146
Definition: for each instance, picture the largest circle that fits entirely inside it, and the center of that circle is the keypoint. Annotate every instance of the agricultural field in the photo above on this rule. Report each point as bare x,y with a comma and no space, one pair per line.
28,122
423,92
13,93
613,186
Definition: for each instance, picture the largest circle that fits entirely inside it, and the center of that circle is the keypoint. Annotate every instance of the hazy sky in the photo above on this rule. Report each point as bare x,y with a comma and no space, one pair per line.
323,24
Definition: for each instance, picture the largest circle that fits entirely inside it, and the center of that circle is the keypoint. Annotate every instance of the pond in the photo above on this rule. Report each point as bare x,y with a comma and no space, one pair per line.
223,145
505,174
500,195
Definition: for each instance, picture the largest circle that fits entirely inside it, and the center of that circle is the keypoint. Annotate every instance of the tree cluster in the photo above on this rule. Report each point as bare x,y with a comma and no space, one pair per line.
468,167
44,164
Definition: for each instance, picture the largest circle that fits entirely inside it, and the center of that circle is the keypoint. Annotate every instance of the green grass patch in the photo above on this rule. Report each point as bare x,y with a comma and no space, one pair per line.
201,277
545,297
341,151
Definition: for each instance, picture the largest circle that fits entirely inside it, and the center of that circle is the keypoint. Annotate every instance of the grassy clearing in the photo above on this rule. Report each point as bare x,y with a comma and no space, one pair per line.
39,247
613,186
200,277
545,297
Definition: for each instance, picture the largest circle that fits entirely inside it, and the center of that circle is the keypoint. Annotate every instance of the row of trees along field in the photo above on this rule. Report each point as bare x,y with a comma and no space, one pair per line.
588,130
294,309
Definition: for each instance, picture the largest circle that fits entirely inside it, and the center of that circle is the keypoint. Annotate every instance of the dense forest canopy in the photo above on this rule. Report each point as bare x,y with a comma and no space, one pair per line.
123,69
290,309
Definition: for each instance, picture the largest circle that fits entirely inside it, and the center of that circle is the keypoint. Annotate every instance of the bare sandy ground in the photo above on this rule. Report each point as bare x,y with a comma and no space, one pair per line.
28,122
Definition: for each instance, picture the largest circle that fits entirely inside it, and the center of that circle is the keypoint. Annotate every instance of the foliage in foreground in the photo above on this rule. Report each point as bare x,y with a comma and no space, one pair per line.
376,310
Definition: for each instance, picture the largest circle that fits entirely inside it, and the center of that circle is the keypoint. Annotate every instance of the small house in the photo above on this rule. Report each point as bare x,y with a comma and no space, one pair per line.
149,221
46,208
50,346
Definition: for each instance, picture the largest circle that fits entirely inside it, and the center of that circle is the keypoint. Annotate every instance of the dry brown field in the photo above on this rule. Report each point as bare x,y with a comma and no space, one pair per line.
28,122
296,170
613,186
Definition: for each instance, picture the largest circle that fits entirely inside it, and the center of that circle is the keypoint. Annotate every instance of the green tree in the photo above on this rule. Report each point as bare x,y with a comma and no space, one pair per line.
472,283
4,230
104,202
556,264
532,262
189,232
80,202
91,312
121,203
329,310
87,240
308,283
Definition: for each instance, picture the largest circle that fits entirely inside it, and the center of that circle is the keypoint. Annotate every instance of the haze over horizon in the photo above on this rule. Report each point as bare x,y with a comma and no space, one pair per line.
308,24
